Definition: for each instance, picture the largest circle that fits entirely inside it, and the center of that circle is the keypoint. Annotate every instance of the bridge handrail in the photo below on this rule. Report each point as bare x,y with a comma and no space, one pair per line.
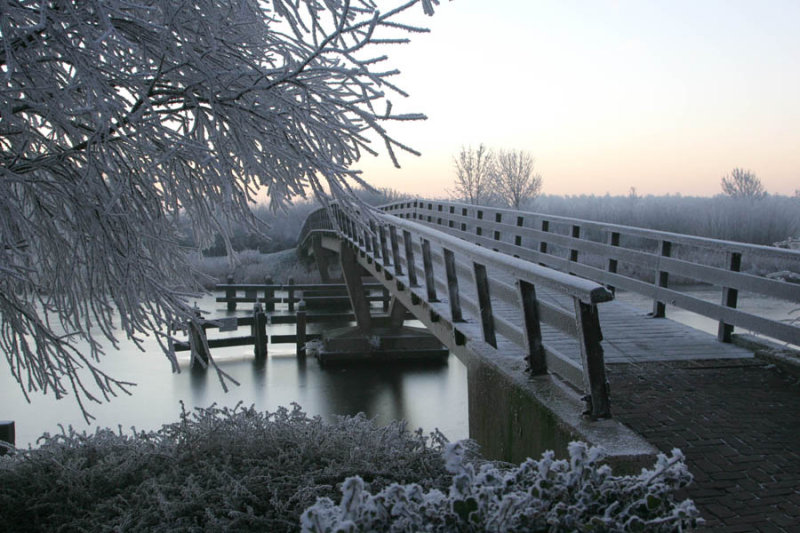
395,245
586,290
653,234
534,237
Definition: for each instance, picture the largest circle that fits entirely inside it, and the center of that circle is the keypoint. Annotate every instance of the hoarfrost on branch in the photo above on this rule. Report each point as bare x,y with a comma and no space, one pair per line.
118,115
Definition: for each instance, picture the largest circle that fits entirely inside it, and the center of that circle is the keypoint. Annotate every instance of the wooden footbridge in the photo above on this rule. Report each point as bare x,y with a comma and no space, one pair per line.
524,291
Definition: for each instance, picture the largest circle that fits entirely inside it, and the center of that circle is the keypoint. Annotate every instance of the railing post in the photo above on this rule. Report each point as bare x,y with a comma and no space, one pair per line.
300,330
386,299
269,294
613,240
412,267
498,218
533,329
576,234
230,294
543,243
7,434
259,332
427,264
594,367
384,249
485,304
398,267
452,286
730,297
518,238
662,280
375,248
290,295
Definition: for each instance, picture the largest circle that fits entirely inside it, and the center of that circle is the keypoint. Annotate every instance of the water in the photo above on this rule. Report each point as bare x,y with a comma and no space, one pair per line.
429,397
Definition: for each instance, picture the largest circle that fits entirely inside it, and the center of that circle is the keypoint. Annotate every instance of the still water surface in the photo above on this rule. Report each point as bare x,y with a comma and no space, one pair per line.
429,397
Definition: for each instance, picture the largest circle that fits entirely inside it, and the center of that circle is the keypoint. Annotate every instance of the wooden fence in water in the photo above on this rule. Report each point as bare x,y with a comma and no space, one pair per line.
273,304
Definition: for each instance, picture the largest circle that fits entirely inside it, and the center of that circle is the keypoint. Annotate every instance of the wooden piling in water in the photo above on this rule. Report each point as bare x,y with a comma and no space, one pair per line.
198,343
301,329
260,338
269,294
230,294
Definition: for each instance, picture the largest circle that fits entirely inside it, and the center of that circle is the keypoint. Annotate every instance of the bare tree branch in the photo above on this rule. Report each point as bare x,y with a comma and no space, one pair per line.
118,115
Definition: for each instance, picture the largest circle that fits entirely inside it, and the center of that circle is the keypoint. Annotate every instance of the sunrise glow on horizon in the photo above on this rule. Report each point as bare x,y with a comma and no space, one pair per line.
663,97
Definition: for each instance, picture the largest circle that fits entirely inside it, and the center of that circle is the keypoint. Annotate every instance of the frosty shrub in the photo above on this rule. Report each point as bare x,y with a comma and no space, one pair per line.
577,494
217,469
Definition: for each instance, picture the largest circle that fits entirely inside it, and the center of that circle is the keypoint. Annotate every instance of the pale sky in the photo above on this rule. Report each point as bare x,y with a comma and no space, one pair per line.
663,96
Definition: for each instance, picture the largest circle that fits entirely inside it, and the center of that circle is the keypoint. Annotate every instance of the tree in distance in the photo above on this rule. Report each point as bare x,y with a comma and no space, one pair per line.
474,172
514,180
742,183
118,116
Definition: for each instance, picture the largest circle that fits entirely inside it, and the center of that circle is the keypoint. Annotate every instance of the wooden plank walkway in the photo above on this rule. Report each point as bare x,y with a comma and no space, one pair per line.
630,335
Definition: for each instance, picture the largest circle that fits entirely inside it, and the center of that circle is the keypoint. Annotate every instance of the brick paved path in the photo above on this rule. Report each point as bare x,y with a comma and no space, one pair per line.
737,422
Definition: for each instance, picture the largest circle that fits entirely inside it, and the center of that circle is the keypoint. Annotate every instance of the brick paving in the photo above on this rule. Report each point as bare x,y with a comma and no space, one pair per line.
737,422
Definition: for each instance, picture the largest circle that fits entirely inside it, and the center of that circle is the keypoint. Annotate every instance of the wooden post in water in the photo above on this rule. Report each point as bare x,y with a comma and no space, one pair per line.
230,294
730,297
260,332
7,434
301,329
269,294
198,343
291,295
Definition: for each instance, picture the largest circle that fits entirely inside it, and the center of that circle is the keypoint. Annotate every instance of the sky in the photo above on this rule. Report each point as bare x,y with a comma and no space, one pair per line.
663,96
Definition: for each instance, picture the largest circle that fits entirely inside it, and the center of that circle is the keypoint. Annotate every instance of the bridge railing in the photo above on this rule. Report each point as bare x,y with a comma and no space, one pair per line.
485,297
647,262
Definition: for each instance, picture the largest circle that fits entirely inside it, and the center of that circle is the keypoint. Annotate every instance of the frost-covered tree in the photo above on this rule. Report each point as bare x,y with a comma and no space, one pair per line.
117,115
742,183
474,171
514,180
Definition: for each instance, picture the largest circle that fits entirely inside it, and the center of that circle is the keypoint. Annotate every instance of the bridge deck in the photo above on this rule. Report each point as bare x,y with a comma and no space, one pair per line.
630,335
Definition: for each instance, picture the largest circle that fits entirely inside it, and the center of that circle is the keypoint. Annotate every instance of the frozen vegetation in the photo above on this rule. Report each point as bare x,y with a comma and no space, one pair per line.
244,470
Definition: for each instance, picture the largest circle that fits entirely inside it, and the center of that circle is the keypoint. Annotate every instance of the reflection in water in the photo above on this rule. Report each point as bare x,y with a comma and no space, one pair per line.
429,396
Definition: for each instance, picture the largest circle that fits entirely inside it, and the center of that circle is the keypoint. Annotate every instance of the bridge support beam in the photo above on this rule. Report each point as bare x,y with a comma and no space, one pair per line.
351,271
321,259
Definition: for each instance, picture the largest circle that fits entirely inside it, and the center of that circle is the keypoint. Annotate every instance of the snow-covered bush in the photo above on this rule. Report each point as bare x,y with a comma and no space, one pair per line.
216,469
578,494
